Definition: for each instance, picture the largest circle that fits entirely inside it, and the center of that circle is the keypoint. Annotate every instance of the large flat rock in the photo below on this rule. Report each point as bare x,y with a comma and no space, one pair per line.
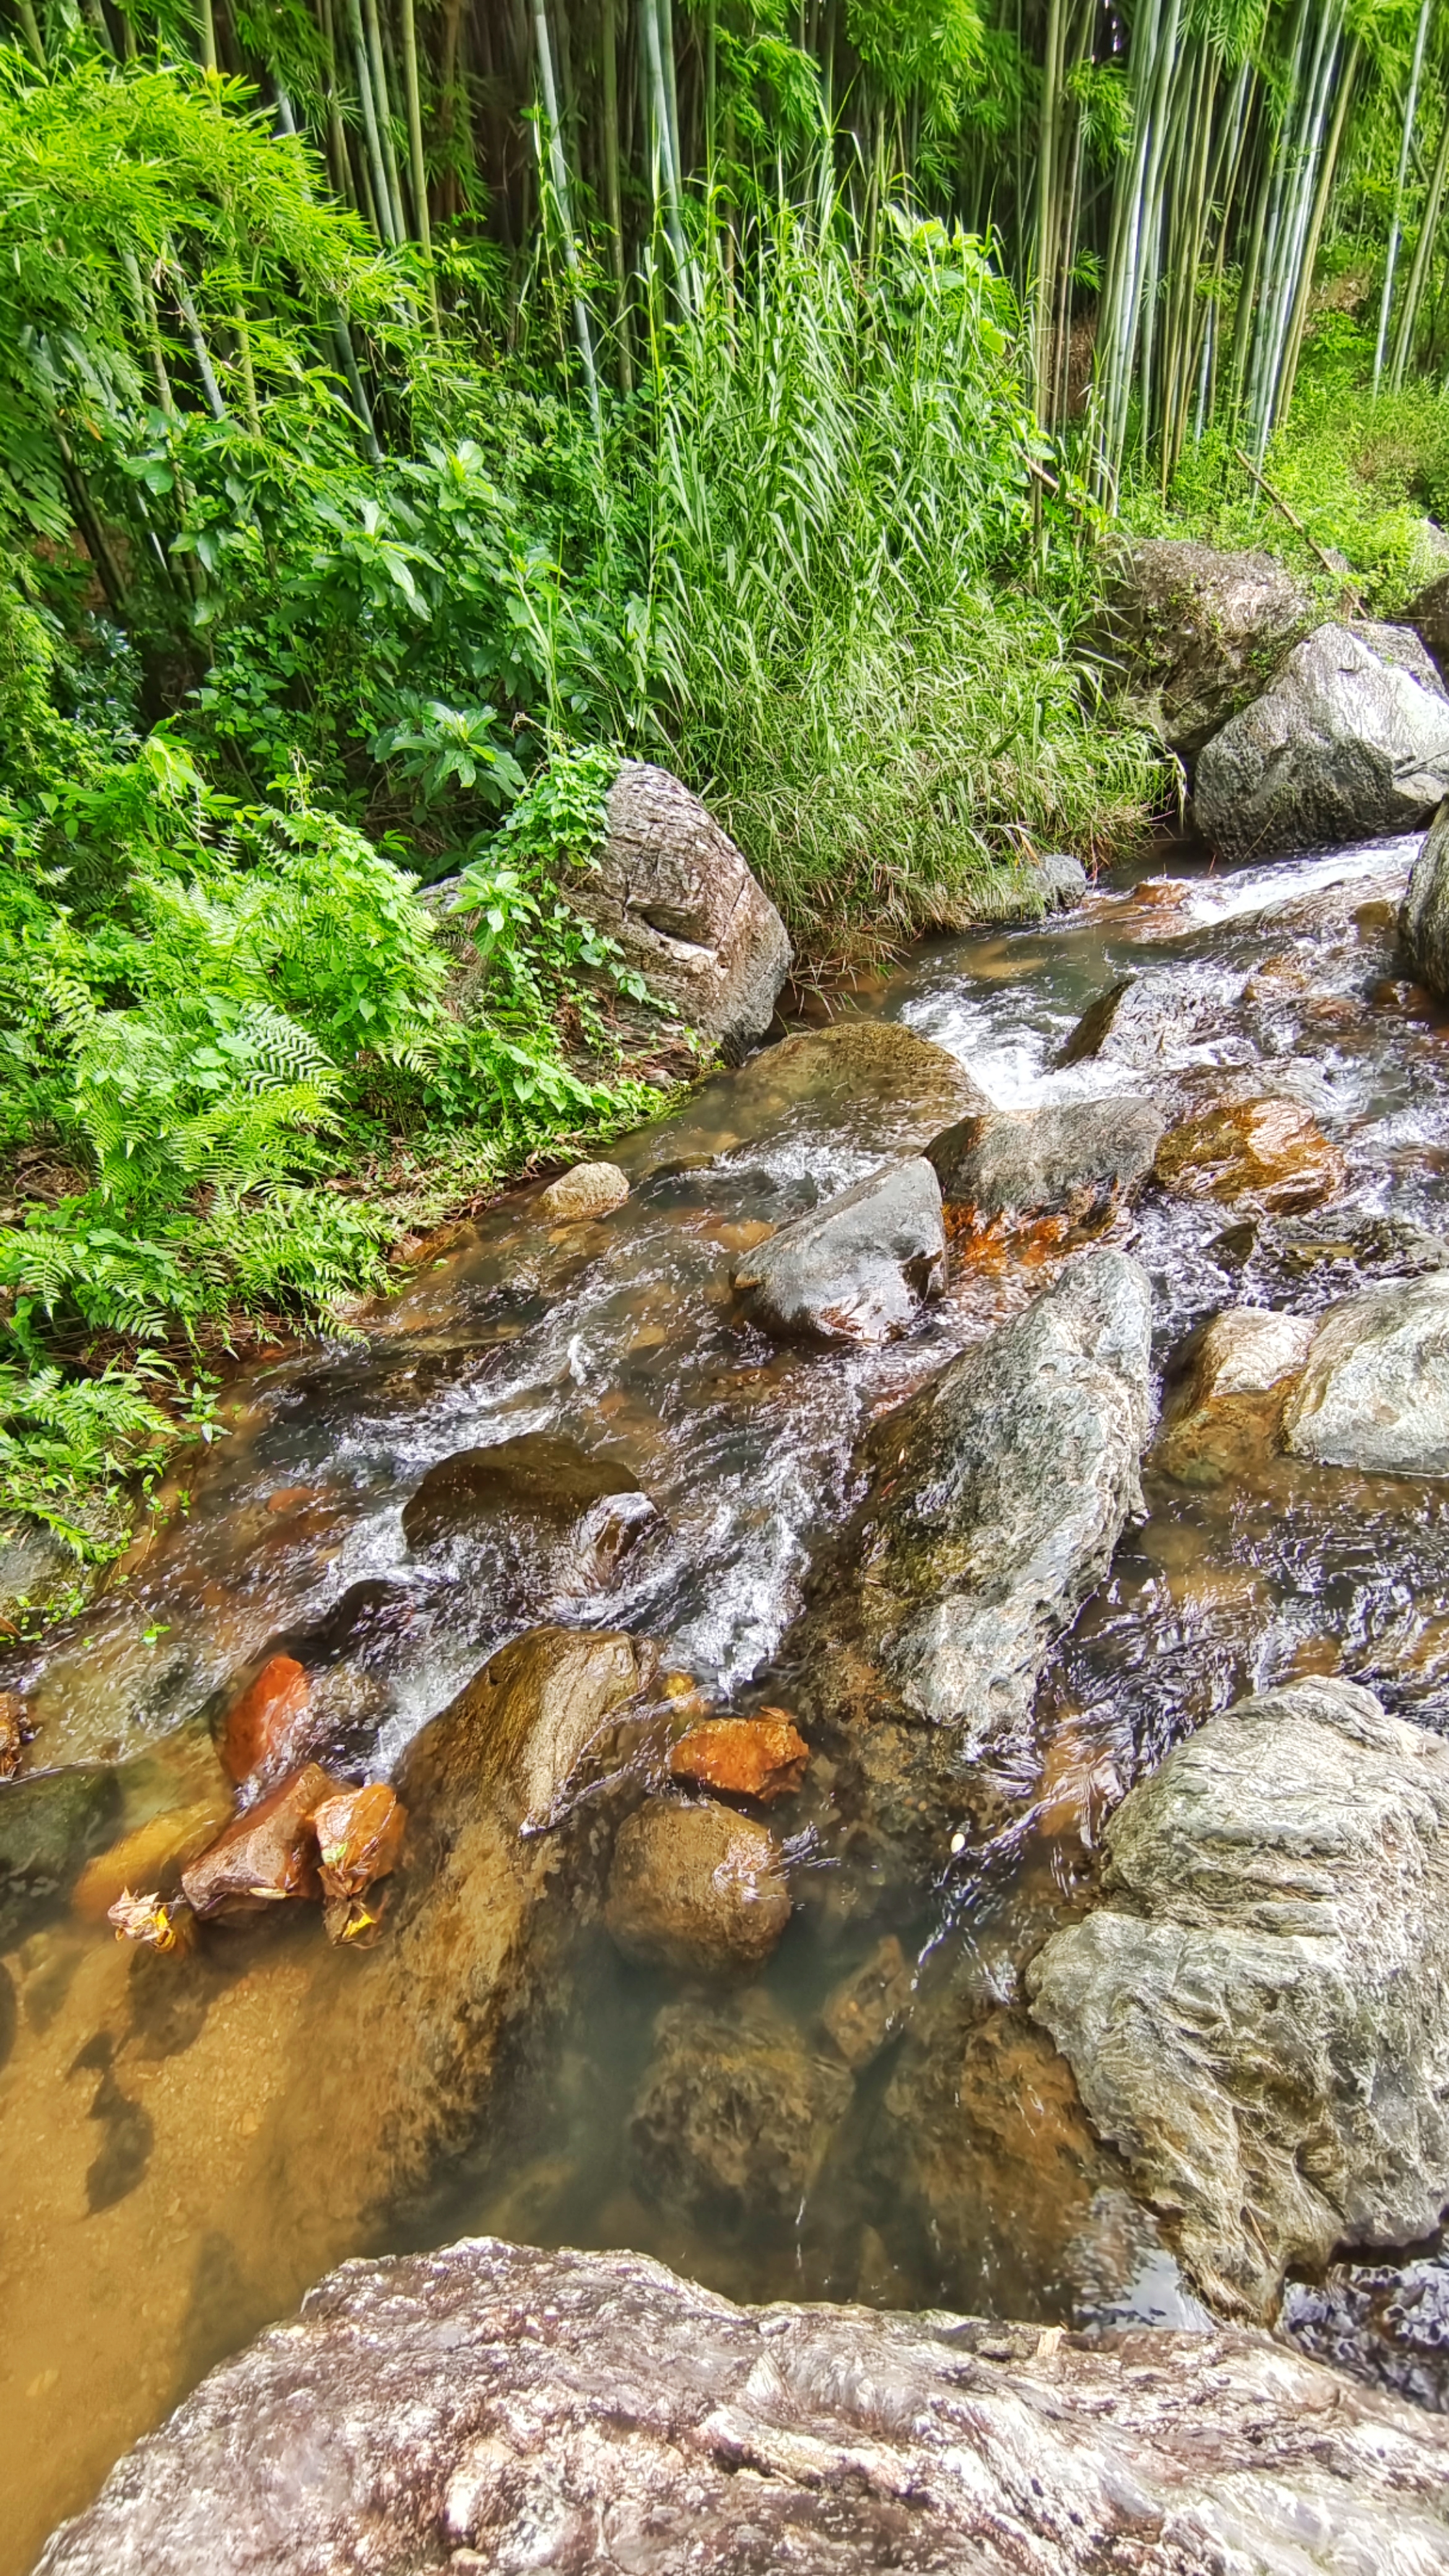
493,2407
1257,2013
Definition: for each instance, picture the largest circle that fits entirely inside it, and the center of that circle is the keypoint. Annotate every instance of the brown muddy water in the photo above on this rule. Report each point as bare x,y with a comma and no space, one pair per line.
164,2185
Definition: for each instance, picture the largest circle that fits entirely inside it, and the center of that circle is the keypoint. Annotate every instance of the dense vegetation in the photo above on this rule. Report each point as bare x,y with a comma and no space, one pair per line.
403,417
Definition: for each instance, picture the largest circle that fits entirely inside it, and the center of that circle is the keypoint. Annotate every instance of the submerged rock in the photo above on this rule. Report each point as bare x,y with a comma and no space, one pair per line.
677,895
585,1190
1195,633
15,1733
698,1888
1081,1157
269,1728
1374,1392
492,2405
1233,1377
1268,1154
51,1824
1424,915
998,1497
735,2114
1344,744
760,1757
555,1519
862,2014
1257,2013
857,1269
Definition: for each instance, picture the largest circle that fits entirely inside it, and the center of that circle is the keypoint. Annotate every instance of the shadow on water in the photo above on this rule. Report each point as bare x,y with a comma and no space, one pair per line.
874,2118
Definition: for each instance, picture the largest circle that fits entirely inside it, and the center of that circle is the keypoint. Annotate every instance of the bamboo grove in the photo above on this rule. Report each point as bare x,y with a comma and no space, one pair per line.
1177,189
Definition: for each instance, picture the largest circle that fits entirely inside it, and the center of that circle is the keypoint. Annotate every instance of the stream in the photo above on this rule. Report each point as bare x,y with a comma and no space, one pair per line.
150,2221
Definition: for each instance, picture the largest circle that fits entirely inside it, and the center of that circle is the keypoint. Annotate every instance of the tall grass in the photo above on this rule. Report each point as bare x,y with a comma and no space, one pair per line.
842,658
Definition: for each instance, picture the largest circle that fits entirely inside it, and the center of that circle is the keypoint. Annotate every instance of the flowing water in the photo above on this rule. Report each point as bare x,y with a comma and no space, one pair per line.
149,2218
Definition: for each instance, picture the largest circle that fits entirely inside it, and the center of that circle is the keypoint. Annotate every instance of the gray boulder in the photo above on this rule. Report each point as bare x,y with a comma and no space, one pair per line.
1374,1392
1344,744
1424,914
1081,1156
679,898
494,2406
1194,633
1144,1020
1428,613
1258,2012
857,1269
996,1499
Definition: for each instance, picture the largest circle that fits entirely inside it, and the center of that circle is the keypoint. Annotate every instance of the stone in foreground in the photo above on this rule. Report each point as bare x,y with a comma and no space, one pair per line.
1257,2014
1374,1393
857,1269
677,895
1424,914
1079,1157
760,1757
1344,744
495,2407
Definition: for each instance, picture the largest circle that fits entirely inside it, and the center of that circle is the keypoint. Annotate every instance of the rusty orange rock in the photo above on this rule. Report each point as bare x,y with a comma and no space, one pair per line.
359,1836
1268,1153
746,1757
267,1855
268,1723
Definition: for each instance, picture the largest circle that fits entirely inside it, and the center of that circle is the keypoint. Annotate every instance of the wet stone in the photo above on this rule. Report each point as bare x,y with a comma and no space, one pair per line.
743,1757
1374,1392
1257,2011
267,1855
465,2408
867,2008
1232,1379
1143,1020
856,1269
1424,918
587,1190
1266,1154
997,1498
1386,2323
735,2113
1080,1156
544,1518
696,1888
268,1730
1345,742
51,1823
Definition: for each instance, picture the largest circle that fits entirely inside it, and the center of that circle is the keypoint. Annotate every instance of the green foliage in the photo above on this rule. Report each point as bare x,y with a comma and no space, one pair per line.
1361,471
64,1440
839,475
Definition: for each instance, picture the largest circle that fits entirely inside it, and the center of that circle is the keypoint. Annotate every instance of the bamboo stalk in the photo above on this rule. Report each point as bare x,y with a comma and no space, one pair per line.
1411,109
613,193
415,146
1423,255
559,171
